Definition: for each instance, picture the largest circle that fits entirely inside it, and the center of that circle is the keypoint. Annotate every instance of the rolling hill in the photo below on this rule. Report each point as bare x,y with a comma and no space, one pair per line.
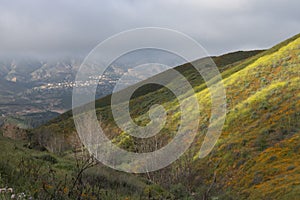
257,155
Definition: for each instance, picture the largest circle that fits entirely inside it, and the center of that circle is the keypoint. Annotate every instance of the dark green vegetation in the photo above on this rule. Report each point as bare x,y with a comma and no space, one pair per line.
30,120
256,157
43,175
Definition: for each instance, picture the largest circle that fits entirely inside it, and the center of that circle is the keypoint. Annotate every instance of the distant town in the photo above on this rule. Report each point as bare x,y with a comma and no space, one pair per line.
93,80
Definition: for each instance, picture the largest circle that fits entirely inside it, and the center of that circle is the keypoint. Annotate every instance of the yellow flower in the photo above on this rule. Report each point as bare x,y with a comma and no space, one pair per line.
66,190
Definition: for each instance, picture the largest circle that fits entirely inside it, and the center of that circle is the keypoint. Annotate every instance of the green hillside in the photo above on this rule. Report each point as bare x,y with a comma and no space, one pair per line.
26,164
233,61
257,155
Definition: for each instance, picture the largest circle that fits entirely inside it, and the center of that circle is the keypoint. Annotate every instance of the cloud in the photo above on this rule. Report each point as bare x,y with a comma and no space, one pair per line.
69,27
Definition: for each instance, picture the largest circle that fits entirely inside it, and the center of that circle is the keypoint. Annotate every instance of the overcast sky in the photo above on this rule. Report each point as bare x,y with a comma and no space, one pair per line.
51,27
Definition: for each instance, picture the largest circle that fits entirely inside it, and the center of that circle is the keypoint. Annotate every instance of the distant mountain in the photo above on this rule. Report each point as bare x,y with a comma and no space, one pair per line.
20,79
37,70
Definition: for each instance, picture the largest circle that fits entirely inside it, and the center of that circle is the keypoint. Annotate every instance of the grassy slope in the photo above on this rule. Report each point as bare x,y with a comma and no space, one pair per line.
257,154
64,123
254,157
27,170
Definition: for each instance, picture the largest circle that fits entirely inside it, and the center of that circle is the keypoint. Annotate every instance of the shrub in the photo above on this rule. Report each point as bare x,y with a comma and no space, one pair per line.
258,178
48,158
291,167
179,191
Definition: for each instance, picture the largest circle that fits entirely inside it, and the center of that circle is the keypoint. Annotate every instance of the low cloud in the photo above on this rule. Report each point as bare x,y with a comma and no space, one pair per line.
68,27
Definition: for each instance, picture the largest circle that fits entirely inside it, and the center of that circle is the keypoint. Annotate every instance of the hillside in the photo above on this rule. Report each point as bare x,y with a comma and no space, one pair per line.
31,154
63,130
257,155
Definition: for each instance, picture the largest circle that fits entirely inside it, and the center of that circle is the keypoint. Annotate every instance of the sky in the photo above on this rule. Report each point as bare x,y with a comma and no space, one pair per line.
68,27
